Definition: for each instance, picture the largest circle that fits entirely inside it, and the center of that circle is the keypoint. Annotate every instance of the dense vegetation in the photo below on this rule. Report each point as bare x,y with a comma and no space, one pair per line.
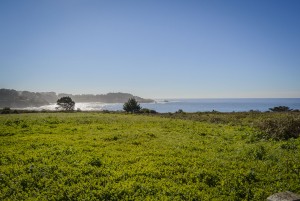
277,125
66,103
132,106
99,156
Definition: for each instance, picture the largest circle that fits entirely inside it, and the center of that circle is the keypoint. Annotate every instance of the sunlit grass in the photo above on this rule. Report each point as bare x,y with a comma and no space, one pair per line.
93,156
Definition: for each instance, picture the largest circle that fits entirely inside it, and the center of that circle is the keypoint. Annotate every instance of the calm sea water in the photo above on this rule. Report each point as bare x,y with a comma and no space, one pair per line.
194,105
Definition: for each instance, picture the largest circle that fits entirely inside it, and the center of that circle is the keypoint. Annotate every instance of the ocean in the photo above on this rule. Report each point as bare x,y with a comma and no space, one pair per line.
193,105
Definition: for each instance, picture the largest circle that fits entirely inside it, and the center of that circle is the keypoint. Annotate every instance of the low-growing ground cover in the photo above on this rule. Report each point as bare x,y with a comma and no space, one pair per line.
94,156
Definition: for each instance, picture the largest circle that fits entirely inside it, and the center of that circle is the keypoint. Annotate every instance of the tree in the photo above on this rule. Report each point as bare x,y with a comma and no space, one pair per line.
132,106
280,109
66,103
6,110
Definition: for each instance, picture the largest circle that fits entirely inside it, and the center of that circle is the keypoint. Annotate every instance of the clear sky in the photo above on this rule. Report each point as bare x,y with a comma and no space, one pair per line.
153,49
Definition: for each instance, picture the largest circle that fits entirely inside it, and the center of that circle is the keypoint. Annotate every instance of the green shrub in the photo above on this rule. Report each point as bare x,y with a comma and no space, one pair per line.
281,128
6,110
15,112
280,109
289,145
179,111
209,178
96,162
258,153
66,103
132,106
147,111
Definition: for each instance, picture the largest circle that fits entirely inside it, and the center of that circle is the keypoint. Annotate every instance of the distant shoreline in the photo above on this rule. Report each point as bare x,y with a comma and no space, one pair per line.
187,105
23,99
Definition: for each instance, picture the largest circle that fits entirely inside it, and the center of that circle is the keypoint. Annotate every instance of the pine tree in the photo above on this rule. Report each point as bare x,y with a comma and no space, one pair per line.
132,106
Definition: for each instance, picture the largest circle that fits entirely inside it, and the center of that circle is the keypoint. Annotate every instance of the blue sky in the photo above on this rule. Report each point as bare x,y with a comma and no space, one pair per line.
154,49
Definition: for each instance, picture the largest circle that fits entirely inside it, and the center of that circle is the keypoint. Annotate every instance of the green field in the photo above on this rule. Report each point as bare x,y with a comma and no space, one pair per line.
97,156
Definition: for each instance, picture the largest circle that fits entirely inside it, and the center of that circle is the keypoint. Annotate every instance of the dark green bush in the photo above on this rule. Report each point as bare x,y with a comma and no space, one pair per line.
280,109
257,153
209,178
147,111
179,111
280,128
96,162
6,110
66,103
289,145
132,106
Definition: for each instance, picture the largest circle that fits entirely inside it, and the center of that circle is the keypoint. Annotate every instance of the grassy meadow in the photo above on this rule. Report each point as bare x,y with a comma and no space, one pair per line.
99,156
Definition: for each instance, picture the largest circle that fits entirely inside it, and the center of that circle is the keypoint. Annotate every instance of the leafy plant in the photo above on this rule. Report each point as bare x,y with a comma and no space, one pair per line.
281,128
132,106
280,109
180,111
6,110
147,111
96,162
66,103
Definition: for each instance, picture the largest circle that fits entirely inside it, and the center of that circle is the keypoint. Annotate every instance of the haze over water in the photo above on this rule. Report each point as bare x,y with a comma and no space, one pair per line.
193,105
